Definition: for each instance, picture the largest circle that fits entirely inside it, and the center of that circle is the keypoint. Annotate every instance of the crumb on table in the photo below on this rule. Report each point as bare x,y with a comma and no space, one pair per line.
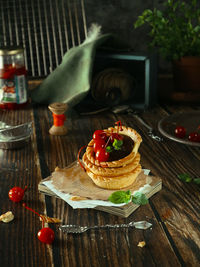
141,244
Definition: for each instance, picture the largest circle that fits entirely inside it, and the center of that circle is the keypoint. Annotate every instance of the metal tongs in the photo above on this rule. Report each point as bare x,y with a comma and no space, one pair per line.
151,130
129,110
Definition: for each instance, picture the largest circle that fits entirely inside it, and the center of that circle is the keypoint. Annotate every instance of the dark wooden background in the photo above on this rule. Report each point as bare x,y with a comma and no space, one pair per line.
173,240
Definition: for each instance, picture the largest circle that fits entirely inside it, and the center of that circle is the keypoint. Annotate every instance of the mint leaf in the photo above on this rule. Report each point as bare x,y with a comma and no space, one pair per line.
119,197
117,144
109,149
185,177
139,199
197,181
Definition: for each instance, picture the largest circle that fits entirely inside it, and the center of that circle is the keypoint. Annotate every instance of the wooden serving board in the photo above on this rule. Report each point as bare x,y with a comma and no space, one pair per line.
122,211
128,209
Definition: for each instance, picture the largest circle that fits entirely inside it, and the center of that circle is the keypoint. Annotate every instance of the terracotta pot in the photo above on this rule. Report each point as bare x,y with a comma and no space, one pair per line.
186,72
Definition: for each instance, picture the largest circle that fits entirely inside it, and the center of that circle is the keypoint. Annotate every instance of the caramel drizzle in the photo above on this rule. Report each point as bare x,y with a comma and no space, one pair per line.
47,219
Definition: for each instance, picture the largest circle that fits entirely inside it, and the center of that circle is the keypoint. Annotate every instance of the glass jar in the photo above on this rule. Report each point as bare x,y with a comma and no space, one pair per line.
13,79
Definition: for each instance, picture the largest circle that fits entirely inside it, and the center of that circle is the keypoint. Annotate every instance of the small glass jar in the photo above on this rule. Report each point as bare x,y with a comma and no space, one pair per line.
13,79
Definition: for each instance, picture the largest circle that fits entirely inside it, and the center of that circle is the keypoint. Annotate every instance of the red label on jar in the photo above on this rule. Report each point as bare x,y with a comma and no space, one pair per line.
13,86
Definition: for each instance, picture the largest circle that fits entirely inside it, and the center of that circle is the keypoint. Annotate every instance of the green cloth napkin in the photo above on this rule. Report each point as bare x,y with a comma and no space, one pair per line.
70,81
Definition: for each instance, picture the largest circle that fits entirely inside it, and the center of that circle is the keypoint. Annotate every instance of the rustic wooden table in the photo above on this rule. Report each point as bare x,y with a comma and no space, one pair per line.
173,240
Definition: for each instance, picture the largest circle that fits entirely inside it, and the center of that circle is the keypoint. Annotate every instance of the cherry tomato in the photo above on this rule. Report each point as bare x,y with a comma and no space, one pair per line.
99,134
102,155
194,137
16,194
46,235
115,136
98,144
180,132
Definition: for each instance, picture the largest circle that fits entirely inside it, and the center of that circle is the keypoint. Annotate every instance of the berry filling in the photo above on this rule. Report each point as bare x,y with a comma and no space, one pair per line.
124,151
111,146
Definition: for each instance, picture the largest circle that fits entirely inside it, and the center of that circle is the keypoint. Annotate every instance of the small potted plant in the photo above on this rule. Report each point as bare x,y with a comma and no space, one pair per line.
175,32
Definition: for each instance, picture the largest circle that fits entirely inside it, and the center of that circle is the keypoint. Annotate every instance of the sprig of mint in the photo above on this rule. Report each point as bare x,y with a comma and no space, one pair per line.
120,197
196,181
116,145
185,177
188,179
109,149
139,199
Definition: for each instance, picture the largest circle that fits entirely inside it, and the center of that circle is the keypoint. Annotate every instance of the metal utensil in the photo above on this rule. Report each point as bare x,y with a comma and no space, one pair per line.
129,110
77,229
151,130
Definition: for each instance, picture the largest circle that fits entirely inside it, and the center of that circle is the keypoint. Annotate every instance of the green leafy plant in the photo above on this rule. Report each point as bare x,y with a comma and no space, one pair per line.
120,197
175,30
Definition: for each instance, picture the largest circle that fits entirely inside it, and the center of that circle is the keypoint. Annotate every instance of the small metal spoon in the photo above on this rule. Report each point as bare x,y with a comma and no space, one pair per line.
76,229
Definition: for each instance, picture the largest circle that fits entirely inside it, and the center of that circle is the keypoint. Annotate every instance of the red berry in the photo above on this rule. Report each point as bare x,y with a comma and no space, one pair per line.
102,155
115,136
16,194
99,134
46,235
180,132
98,144
194,137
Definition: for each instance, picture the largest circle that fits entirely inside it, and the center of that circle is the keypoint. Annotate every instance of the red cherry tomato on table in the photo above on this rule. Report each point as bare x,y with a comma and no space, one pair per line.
99,134
102,155
194,137
16,194
46,235
180,131
98,144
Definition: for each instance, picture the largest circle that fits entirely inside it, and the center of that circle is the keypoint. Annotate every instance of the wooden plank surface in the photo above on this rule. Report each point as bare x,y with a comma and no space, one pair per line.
173,240
18,239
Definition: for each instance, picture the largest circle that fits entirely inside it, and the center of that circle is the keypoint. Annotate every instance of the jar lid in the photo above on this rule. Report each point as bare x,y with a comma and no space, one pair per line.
9,52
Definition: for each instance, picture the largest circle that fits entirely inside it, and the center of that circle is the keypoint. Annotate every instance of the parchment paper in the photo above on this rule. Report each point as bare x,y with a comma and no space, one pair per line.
73,181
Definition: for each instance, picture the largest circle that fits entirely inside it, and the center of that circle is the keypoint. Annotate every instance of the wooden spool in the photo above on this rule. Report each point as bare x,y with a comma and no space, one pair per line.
58,109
